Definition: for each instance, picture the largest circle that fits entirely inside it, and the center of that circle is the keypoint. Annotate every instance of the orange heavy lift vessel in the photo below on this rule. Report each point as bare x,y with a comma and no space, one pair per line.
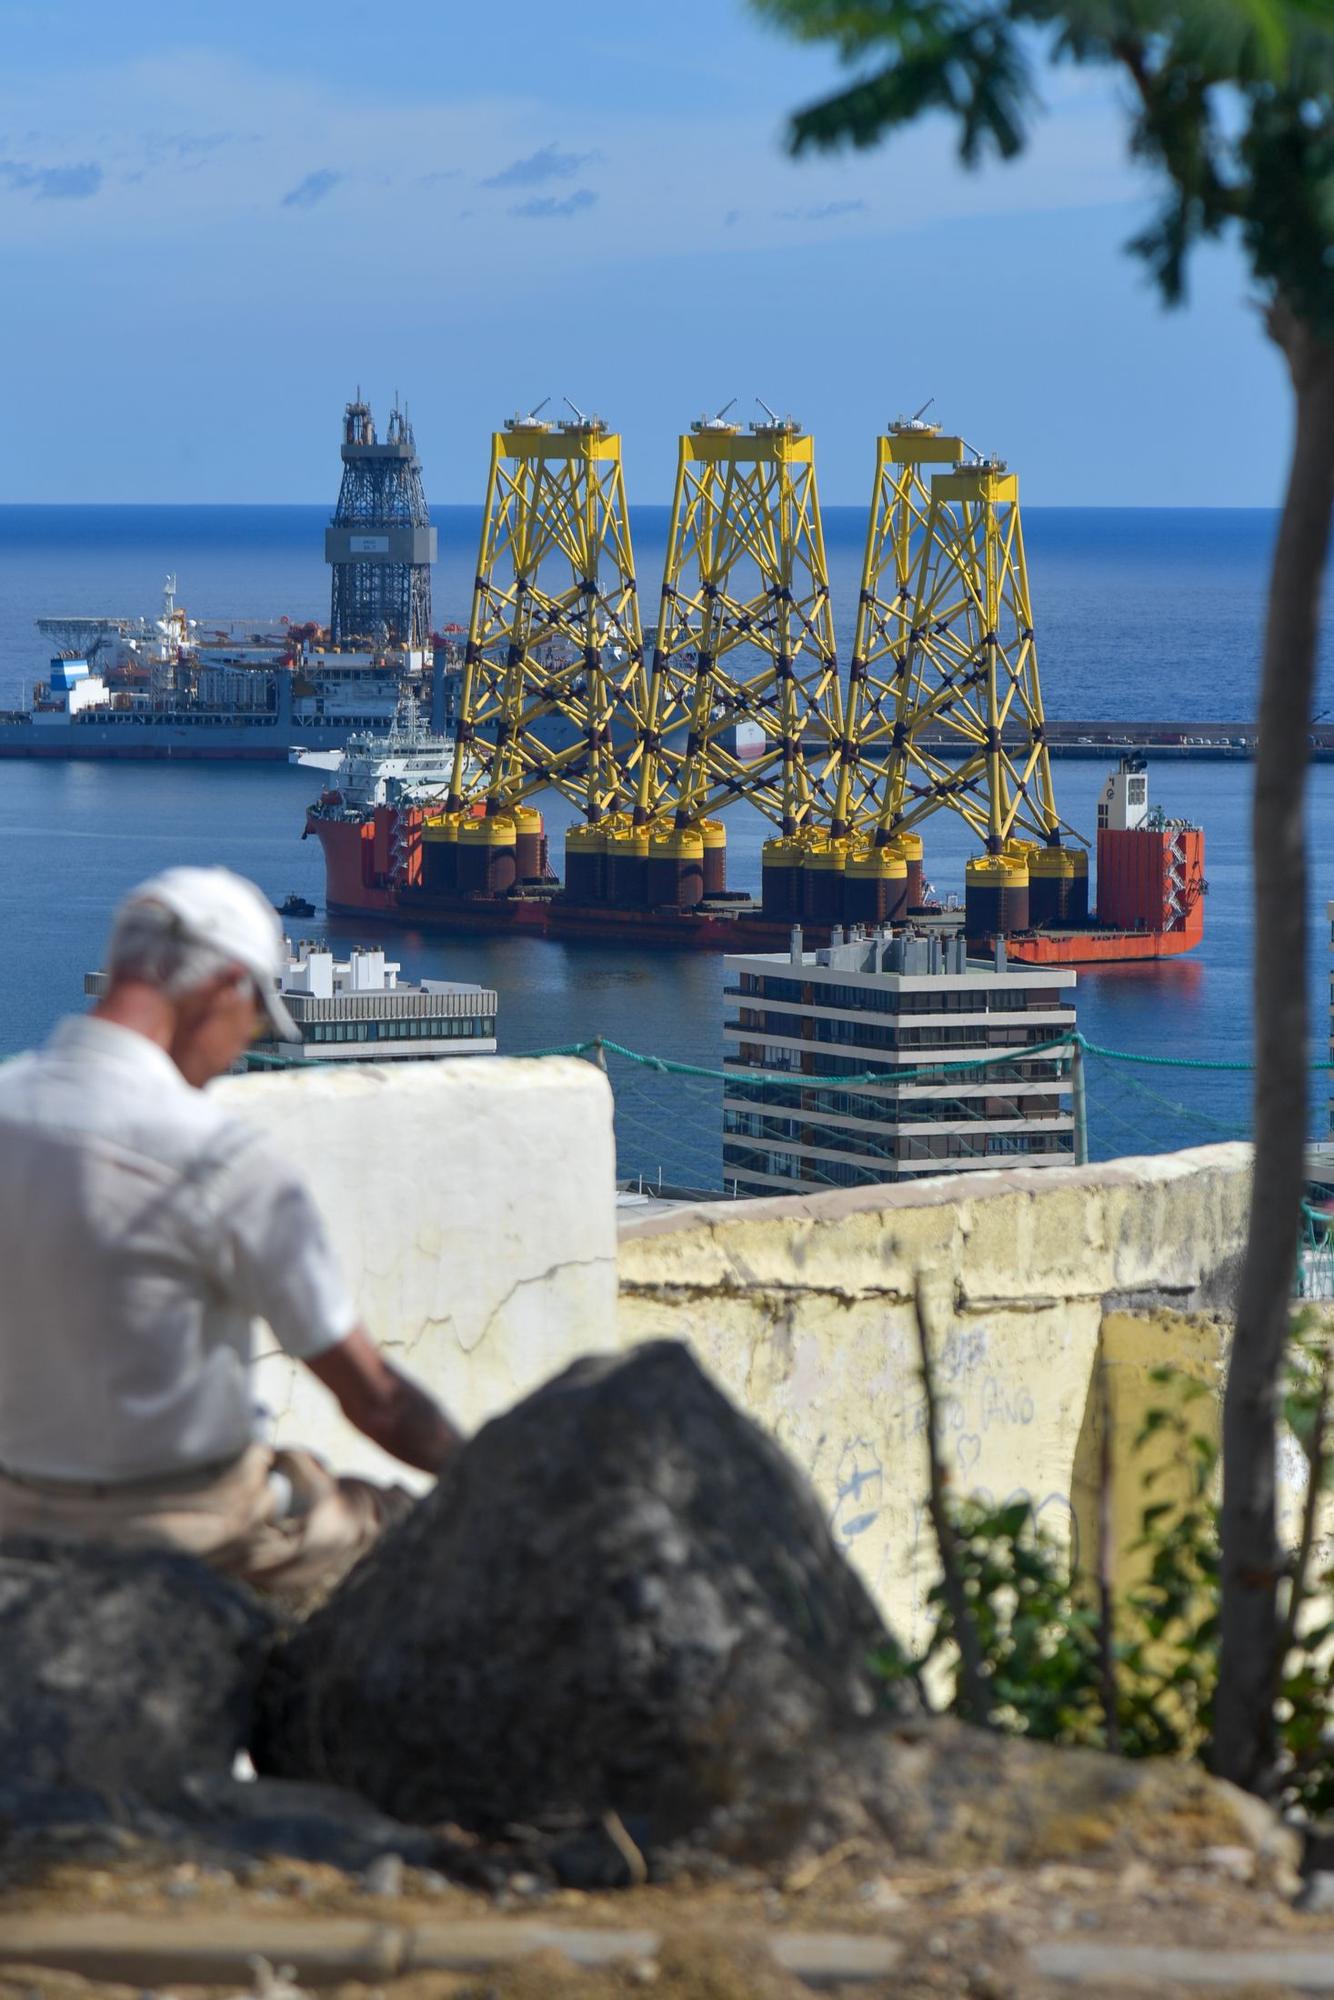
560,692
390,860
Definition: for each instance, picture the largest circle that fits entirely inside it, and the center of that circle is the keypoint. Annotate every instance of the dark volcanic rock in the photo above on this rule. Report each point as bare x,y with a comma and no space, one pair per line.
308,1822
122,1672
621,1597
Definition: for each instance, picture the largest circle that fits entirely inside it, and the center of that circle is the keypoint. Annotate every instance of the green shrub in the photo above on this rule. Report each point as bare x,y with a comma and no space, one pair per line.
1141,1680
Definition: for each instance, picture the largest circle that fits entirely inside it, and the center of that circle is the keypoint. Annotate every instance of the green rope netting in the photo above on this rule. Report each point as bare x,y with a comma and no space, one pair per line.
669,1114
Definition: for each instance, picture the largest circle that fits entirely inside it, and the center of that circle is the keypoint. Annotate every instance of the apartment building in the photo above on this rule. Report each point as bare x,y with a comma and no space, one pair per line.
840,1063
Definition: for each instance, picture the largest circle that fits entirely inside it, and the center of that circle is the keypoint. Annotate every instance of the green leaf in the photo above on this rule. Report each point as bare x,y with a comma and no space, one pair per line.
1231,106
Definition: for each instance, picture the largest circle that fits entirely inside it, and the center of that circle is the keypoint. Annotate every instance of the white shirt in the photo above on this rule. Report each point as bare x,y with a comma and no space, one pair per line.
142,1230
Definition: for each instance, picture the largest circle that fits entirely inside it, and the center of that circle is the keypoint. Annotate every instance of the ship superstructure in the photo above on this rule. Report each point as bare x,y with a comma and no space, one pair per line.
259,700
369,818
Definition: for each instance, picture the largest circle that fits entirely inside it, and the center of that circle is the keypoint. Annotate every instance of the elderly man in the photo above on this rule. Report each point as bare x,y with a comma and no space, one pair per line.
143,1229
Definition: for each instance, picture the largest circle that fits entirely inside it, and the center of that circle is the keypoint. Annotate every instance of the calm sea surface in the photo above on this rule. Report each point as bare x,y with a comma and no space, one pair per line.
1138,614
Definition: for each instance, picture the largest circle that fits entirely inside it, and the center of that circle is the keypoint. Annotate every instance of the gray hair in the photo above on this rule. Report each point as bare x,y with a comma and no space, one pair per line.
149,942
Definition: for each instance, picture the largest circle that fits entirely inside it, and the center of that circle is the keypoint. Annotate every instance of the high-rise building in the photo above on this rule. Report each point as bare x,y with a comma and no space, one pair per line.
841,1060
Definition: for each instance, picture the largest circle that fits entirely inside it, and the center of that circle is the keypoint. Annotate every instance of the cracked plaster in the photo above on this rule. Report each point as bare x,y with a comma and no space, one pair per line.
472,1206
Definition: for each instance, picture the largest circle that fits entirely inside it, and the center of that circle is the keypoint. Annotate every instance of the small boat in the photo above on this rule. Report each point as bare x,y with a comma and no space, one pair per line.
295,906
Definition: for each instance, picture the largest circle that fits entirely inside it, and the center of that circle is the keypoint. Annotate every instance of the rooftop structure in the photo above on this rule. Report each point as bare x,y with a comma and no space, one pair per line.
878,1008
357,1010
380,543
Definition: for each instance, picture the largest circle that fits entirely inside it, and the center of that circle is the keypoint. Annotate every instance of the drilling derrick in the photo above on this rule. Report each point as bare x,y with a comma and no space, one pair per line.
552,690
746,634
957,722
380,543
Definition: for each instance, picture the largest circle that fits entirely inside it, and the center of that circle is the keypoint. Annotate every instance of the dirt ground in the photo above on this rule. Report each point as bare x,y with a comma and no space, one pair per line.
962,1934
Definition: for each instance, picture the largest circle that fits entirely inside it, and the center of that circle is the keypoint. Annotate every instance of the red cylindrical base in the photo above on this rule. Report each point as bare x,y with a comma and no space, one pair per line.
586,864
822,882
875,889
440,863
627,870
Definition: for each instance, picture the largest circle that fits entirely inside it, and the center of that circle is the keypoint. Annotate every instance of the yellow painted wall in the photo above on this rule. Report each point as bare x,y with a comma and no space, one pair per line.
802,1308
1122,1392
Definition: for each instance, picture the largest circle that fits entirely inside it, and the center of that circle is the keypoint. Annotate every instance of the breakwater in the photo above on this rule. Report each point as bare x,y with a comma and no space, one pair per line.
1198,741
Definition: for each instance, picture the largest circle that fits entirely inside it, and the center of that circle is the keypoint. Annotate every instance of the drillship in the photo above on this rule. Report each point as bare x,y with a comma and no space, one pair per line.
168,689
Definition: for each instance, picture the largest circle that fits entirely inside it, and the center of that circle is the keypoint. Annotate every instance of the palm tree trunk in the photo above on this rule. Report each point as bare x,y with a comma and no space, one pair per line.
1245,1736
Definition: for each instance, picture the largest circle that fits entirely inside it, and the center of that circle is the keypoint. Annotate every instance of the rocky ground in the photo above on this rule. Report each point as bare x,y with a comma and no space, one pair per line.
600,1717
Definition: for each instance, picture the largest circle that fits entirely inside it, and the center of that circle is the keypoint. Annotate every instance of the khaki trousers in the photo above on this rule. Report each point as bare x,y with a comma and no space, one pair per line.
277,1520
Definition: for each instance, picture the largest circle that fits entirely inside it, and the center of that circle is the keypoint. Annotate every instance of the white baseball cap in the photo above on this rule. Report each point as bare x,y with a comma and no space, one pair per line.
235,919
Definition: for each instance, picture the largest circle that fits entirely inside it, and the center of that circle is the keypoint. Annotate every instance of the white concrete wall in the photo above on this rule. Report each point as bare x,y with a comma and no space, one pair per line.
473,1207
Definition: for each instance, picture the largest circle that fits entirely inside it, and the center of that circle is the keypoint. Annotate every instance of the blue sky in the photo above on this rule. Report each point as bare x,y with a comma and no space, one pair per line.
216,221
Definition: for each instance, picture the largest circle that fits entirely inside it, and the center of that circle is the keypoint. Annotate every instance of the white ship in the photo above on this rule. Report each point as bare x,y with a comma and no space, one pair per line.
165,687
405,764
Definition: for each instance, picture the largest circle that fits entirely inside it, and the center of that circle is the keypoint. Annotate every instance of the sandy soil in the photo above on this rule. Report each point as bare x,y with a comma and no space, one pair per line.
963,1934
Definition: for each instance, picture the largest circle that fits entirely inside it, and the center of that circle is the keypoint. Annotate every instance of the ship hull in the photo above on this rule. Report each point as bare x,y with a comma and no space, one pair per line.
745,930
143,753
351,888
263,741
1096,947
586,923
373,869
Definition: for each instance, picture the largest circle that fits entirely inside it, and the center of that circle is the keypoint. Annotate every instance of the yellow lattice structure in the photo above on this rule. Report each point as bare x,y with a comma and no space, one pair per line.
745,635
553,679
881,686
943,707
946,606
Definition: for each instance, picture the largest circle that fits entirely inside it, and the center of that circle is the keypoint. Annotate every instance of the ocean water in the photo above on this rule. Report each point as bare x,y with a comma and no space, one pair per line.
1139,614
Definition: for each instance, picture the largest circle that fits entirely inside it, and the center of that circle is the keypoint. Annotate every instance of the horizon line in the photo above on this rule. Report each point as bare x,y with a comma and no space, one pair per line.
826,506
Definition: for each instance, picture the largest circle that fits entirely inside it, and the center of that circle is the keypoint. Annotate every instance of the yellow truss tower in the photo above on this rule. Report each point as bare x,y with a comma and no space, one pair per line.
946,604
745,634
880,689
554,630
